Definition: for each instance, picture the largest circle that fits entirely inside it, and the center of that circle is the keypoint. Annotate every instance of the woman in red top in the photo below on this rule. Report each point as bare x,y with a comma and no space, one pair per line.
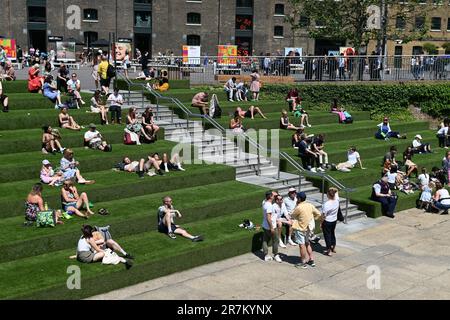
35,82
293,97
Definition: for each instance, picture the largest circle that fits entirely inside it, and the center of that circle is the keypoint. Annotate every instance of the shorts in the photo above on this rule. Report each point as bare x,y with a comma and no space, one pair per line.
248,114
68,205
162,228
105,82
85,256
301,237
3,98
171,166
95,144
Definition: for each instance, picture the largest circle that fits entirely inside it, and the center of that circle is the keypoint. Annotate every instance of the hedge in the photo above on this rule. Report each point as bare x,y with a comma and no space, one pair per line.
379,99
174,84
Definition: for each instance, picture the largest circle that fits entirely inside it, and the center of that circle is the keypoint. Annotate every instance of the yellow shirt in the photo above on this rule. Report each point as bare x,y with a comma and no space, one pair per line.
163,87
102,69
303,214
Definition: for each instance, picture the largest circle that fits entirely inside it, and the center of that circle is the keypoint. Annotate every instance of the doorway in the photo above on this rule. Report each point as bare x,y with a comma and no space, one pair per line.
38,39
143,42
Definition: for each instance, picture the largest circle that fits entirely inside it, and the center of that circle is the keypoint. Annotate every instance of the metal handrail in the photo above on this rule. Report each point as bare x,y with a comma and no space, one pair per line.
302,171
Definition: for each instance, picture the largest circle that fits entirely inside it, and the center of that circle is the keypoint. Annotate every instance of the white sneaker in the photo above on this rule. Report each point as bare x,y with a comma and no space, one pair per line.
313,170
292,243
268,258
320,169
309,126
281,244
278,259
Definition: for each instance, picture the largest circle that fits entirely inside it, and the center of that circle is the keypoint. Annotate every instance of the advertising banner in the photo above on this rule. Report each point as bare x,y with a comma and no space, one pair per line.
297,52
347,51
10,47
191,55
122,49
65,51
227,55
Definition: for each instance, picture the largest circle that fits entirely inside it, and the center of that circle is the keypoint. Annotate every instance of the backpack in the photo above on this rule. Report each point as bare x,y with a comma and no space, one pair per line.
45,219
214,109
127,139
111,71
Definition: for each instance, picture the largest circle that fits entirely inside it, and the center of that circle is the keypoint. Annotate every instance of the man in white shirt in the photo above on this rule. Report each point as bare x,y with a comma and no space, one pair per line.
352,159
443,136
94,140
269,226
283,218
230,88
419,147
74,87
116,102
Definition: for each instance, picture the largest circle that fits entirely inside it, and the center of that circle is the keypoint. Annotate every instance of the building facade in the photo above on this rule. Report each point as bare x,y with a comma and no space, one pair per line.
258,27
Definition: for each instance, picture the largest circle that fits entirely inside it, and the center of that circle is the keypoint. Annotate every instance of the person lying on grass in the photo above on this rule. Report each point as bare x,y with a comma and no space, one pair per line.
68,167
91,247
49,176
140,167
173,163
166,224
250,113
51,139
72,202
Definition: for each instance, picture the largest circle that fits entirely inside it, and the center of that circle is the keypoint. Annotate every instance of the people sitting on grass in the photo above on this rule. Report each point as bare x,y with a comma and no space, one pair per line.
443,134
10,73
230,88
35,81
385,133
74,87
99,106
91,248
148,121
296,137
201,101
134,125
94,140
395,178
62,78
299,112
51,140
309,158
69,168
35,206
166,223
250,113
285,123
317,146
381,192
116,101
438,174
343,115
389,159
67,122
236,125
51,92
242,91
419,147
172,164
353,158
411,167
162,85
49,176
3,99
441,199
73,203
302,217
293,99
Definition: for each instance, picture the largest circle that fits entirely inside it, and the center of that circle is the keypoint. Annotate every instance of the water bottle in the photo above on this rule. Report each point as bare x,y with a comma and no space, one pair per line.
46,206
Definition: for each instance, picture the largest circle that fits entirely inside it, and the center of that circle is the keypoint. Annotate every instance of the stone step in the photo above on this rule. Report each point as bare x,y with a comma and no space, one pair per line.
248,172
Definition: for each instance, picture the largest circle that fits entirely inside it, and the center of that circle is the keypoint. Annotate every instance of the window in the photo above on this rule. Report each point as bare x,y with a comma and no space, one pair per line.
89,37
37,14
400,22
278,31
448,24
244,3
143,1
279,9
193,40
244,22
304,22
320,24
194,18
417,50
419,22
436,24
90,14
142,19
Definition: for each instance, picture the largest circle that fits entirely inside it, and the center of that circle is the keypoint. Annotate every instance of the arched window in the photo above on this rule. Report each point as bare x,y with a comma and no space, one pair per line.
279,9
90,14
194,18
193,40
278,31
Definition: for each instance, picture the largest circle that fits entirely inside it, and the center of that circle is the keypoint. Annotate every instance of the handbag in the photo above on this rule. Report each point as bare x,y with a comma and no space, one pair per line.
340,216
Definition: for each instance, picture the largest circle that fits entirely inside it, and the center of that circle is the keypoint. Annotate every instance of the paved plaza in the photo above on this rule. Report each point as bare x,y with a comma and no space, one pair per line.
411,252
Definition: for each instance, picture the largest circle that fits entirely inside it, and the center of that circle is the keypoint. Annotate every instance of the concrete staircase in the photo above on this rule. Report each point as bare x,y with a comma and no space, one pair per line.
220,150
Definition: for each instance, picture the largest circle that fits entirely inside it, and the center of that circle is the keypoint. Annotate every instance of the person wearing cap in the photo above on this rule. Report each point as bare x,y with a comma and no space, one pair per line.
302,216
419,147
385,133
94,140
49,176
269,226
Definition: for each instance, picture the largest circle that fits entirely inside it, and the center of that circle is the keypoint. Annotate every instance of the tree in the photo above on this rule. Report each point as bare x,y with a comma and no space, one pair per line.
359,21
446,47
430,48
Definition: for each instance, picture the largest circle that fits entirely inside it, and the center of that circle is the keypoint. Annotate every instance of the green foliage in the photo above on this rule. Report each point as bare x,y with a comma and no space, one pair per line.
430,48
446,46
379,99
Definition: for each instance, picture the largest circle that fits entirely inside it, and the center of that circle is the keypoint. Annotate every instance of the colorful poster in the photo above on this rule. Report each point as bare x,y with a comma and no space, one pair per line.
10,47
65,51
227,55
293,52
122,49
191,55
347,51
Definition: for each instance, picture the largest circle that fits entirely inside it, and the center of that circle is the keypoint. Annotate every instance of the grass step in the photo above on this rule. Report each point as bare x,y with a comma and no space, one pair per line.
129,216
114,185
156,255
27,165
34,101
